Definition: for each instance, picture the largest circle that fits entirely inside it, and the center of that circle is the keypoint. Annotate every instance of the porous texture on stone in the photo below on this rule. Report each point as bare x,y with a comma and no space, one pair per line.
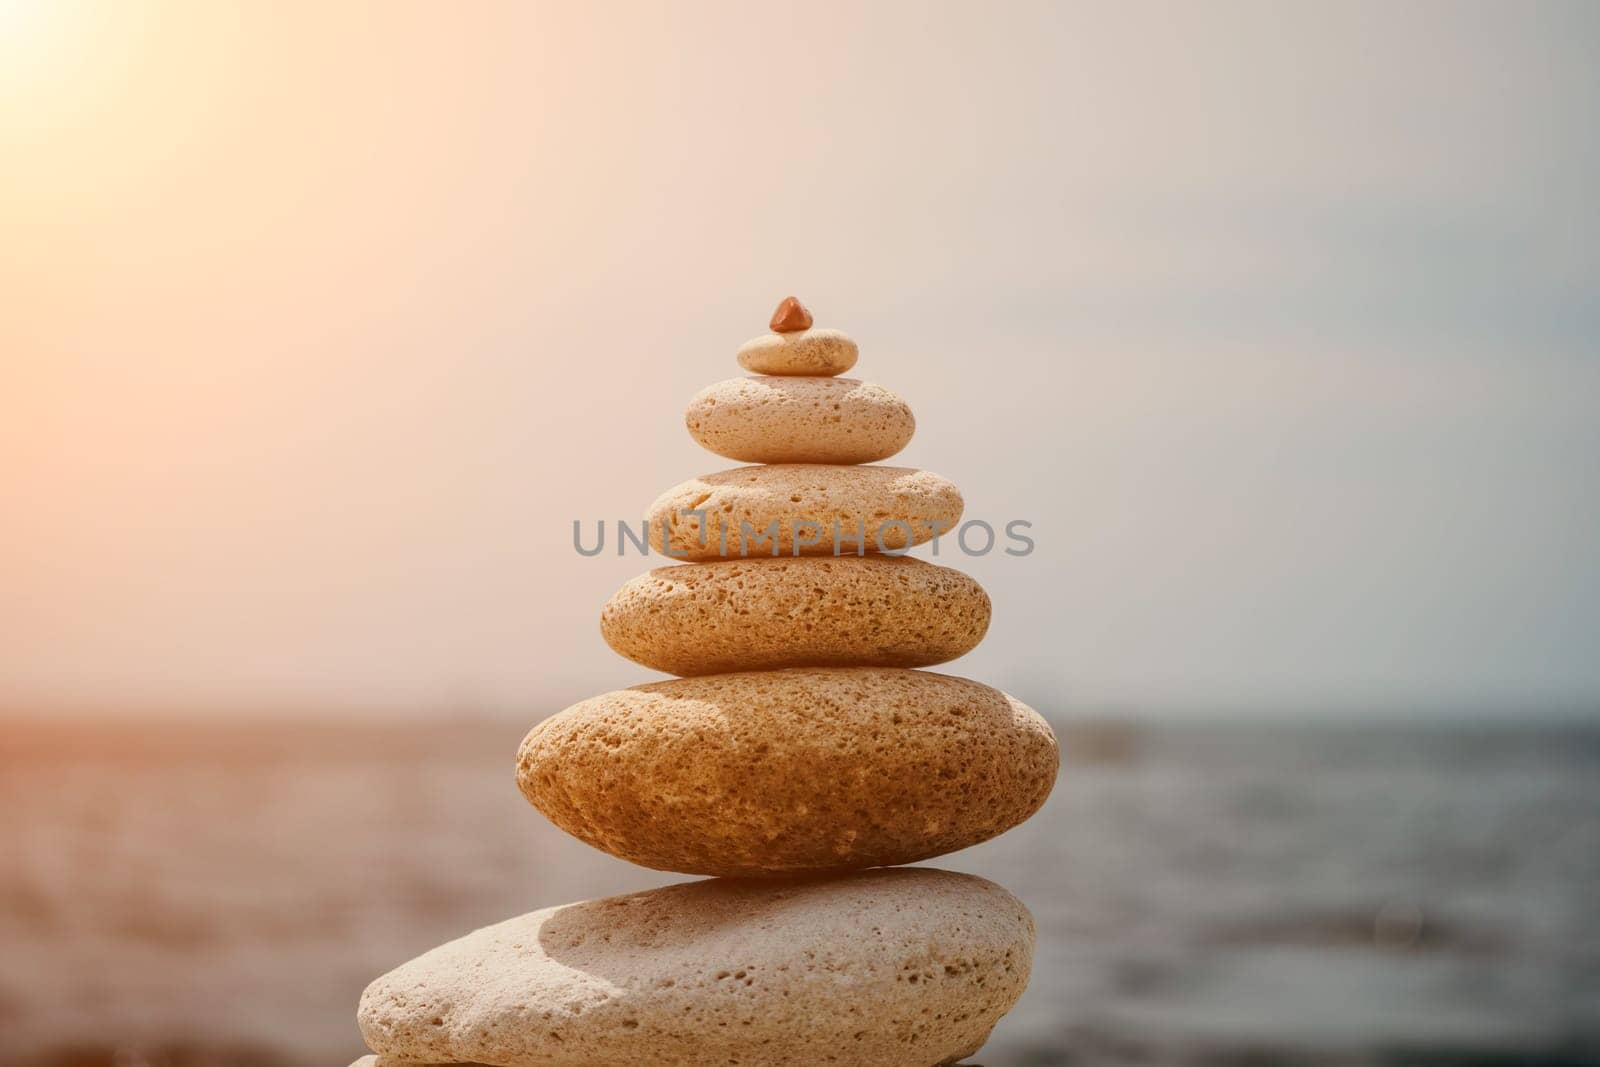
893,968
759,614
818,352
873,499
800,420
781,772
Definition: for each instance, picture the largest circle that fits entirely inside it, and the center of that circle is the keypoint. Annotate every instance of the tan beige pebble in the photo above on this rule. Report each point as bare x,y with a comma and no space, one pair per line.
758,614
784,772
800,420
731,514
893,968
816,352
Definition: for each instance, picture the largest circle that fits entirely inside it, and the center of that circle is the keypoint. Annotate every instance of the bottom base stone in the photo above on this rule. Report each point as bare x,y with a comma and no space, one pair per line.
895,967
380,1061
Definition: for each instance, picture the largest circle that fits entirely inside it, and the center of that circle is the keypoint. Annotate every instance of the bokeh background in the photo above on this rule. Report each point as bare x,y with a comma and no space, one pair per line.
320,324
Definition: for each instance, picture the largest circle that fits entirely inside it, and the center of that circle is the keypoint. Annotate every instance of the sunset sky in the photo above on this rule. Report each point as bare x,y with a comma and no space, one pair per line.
321,323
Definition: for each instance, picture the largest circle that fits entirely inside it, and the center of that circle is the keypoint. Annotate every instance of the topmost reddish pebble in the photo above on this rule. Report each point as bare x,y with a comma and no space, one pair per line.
791,317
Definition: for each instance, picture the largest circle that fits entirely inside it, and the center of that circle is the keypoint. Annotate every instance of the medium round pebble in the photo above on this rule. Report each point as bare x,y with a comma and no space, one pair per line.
759,614
800,420
784,772
894,968
897,507
808,352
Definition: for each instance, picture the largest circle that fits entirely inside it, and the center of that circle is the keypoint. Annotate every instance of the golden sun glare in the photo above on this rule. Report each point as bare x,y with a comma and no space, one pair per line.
30,37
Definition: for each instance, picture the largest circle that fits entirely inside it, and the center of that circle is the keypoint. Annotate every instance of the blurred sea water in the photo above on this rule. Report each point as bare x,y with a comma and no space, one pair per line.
191,895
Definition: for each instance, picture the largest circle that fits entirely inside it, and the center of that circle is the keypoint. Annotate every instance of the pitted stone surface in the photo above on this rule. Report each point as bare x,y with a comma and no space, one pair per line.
804,352
892,968
733,512
782,772
760,614
800,420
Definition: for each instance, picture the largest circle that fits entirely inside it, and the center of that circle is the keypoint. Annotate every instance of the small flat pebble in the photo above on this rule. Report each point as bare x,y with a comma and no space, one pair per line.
800,420
809,352
760,614
895,507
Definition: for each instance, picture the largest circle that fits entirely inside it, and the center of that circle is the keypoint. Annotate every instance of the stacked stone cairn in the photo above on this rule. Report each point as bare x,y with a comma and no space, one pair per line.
798,759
